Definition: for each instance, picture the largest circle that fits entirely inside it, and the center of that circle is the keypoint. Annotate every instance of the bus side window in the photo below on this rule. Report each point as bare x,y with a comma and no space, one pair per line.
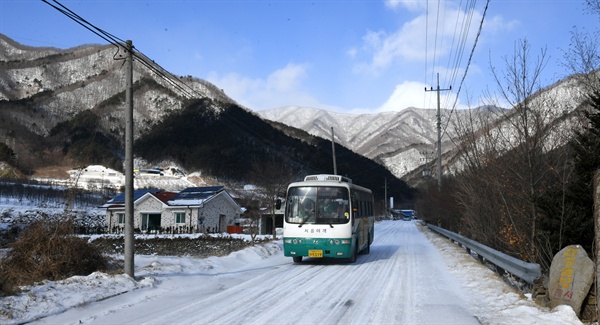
354,207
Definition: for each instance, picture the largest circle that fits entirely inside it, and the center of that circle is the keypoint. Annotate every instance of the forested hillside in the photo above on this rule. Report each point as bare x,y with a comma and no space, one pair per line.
228,141
65,109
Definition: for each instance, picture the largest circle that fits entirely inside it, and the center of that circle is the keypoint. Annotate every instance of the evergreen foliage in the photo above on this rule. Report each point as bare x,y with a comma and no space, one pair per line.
83,140
569,216
6,153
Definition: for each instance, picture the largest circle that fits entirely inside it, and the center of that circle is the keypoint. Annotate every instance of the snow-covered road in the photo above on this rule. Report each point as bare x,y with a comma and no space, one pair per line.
406,279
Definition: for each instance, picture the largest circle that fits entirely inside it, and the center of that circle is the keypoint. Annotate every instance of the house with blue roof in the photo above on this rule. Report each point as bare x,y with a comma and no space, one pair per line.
209,209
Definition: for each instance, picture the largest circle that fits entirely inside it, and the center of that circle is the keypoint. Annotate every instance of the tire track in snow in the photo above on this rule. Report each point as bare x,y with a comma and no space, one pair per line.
400,282
393,299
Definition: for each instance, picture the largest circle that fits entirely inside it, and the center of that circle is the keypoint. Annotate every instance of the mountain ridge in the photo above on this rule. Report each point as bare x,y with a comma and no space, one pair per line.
395,139
405,141
67,107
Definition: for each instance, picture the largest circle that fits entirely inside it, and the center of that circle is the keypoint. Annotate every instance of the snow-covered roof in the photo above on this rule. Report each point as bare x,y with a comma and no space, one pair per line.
191,196
187,202
120,198
195,195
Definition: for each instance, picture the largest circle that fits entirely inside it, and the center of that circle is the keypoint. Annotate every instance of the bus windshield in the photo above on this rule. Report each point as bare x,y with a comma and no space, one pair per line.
317,205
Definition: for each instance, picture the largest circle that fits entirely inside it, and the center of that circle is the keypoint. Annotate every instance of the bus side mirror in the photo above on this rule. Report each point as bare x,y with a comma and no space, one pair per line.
278,204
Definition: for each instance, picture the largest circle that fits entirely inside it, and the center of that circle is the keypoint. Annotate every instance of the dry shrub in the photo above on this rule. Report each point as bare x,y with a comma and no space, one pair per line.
47,250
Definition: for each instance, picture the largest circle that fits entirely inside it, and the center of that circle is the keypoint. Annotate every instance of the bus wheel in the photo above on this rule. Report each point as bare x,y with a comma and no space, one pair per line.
352,258
367,250
297,259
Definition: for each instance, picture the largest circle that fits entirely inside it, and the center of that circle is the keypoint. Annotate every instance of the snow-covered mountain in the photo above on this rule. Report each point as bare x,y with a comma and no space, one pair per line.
405,141
402,141
62,83
50,98
64,109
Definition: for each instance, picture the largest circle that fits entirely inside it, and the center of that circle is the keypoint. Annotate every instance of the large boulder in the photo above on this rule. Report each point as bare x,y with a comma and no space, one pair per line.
571,276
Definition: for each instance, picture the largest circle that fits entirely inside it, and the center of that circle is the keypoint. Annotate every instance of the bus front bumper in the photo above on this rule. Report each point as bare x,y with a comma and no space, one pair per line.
317,247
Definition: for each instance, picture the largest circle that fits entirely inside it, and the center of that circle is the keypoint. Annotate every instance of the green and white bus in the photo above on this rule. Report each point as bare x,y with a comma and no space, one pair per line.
327,216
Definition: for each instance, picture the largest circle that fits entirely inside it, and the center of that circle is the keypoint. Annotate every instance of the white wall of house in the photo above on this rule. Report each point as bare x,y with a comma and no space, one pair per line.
147,204
172,217
218,213
214,215
113,222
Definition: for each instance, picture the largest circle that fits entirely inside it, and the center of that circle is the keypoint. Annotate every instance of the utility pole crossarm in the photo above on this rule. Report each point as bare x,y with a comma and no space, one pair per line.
439,130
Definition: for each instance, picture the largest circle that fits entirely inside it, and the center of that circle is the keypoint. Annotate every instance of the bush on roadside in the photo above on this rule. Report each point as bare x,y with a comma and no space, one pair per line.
47,250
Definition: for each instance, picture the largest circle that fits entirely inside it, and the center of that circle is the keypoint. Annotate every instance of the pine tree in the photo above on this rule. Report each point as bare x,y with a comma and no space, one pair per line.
587,156
569,214
6,153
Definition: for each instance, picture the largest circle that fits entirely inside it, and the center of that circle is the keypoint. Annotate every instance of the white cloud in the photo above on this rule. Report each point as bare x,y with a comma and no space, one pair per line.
384,49
282,87
406,94
288,78
353,52
498,24
412,5
406,50
422,39
413,94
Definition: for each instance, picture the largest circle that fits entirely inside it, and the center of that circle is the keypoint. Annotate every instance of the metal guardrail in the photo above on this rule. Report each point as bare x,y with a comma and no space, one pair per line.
528,272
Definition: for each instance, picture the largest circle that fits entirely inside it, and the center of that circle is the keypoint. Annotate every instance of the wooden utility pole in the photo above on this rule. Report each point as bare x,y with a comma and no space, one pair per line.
333,152
439,131
426,174
385,206
129,238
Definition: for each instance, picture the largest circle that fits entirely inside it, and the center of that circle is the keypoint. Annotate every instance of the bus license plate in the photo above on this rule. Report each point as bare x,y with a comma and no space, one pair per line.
315,253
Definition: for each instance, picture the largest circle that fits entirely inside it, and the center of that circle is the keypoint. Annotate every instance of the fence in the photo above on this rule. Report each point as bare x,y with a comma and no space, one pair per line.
528,272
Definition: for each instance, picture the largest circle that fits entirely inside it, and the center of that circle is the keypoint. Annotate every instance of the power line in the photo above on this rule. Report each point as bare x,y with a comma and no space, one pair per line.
462,40
437,20
467,66
458,45
78,19
184,89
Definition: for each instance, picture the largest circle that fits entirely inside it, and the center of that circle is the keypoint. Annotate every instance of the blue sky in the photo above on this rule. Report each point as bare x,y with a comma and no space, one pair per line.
352,56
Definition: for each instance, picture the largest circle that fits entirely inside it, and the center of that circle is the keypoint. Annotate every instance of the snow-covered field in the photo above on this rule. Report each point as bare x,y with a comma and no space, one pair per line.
411,276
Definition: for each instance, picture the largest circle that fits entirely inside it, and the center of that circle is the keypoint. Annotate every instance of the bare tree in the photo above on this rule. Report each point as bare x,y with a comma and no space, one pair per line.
524,139
582,59
505,156
272,176
251,202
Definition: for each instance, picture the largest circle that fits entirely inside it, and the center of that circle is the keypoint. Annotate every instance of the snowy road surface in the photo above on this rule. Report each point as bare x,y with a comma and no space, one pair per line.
411,276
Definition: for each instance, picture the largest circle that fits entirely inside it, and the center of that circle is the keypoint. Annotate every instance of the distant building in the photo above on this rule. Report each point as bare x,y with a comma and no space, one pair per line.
194,209
403,214
265,225
96,177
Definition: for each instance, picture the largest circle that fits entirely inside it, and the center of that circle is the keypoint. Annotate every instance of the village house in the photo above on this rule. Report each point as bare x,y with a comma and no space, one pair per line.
195,209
